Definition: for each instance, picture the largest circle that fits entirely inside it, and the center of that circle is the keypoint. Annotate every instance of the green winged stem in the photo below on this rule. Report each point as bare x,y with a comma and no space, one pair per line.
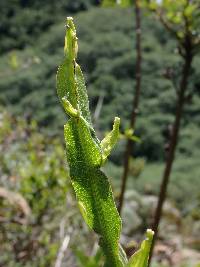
86,154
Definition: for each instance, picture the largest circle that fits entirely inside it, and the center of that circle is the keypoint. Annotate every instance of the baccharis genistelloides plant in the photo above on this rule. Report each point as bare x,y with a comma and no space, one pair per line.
85,155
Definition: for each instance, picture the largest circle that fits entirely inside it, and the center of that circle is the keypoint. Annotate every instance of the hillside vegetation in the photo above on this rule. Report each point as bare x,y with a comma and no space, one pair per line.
31,48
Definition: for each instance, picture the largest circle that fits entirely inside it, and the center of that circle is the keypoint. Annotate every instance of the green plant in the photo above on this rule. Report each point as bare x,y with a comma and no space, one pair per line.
86,154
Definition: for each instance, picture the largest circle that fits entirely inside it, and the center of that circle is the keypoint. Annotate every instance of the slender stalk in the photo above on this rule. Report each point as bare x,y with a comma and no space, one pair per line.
62,251
174,137
129,144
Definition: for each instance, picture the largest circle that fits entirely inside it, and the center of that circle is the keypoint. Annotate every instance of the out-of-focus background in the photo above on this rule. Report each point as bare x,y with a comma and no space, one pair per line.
37,205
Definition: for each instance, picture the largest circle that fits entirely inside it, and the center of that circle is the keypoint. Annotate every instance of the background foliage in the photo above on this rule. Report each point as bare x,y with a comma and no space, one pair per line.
31,158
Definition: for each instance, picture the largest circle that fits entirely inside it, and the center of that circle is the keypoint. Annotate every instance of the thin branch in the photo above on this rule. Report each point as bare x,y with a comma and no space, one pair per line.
129,145
167,25
175,135
62,250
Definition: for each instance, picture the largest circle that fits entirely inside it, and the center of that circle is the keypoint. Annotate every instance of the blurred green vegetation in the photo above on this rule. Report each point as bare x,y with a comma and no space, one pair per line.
32,161
29,88
33,166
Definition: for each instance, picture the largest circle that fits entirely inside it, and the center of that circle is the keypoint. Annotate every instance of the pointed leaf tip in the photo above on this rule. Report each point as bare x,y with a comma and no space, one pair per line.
70,23
141,257
149,234
110,140
70,110
117,121
71,46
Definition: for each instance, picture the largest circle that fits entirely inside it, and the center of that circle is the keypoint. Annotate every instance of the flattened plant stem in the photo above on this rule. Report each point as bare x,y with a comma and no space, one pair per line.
129,144
86,155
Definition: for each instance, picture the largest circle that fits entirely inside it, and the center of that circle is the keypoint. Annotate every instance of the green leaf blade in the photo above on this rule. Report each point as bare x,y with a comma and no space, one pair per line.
110,140
82,94
140,258
92,187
